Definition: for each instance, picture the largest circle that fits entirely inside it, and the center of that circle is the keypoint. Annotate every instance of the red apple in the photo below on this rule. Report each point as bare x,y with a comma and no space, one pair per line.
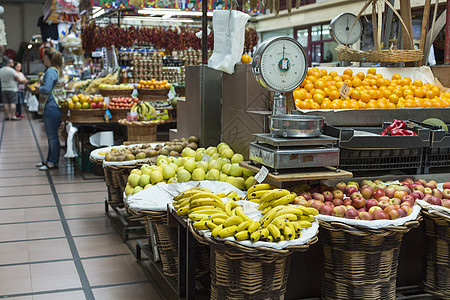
302,202
431,184
341,186
338,202
317,205
366,216
400,194
390,192
329,203
403,213
395,201
433,200
311,201
366,183
420,181
353,183
394,214
418,187
426,197
350,207
318,196
428,191
415,195
367,192
380,215
446,203
350,190
405,189
362,209
326,210
355,194
307,196
351,213
374,208
370,203
446,193
338,194
328,196
359,202
391,207
409,198
438,193
339,211
347,201
408,180
383,203
446,185
322,188
378,193
407,208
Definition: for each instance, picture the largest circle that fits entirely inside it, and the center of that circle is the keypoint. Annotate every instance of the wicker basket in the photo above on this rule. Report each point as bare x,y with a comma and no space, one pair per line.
116,93
118,114
86,115
167,243
64,116
152,94
143,131
97,166
359,262
437,253
239,272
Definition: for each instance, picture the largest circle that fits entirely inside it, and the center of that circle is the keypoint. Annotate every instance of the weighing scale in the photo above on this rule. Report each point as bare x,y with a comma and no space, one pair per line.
280,65
343,31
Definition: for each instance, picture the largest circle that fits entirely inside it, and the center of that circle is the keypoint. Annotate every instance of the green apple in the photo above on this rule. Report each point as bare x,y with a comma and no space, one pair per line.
230,179
129,190
178,161
160,157
144,180
137,189
173,166
172,180
144,167
235,170
156,176
136,171
198,156
162,162
249,182
168,172
211,150
147,171
227,153
188,152
237,158
226,169
198,174
171,159
190,165
213,174
133,179
214,164
223,177
215,156
203,165
183,175
200,150
224,161
239,183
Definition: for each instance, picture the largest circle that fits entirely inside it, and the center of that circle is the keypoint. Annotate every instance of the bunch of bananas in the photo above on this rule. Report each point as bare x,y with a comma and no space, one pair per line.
143,108
269,196
209,212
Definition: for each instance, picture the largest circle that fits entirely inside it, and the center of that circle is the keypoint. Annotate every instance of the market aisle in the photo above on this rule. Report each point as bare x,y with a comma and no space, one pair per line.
55,240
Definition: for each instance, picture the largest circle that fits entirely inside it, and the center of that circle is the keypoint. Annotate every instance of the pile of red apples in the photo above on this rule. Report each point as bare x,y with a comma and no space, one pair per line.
373,200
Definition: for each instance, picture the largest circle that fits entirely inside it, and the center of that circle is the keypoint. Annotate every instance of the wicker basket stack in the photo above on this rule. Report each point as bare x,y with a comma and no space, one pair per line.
153,94
86,115
116,92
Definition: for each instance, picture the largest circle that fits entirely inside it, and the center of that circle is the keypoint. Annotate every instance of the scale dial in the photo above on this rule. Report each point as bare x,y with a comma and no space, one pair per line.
280,64
341,29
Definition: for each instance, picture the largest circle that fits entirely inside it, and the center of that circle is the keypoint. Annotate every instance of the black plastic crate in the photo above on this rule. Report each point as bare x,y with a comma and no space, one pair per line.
437,157
354,160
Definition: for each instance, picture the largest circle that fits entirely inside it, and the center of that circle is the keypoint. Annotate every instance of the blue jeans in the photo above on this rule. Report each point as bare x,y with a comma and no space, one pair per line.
20,97
52,119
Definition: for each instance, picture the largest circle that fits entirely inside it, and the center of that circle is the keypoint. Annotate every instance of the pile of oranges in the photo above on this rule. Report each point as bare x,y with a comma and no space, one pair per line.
154,84
320,90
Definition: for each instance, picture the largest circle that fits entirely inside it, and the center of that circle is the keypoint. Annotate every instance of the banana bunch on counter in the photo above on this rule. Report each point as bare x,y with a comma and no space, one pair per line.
280,222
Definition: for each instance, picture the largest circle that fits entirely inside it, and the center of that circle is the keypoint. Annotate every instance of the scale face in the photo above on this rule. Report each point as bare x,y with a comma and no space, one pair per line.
280,64
341,29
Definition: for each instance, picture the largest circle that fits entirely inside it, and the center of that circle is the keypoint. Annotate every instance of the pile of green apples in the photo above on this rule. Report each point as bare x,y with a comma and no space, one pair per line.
214,163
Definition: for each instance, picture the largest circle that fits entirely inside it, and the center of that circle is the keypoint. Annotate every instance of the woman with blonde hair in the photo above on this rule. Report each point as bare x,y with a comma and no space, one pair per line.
51,110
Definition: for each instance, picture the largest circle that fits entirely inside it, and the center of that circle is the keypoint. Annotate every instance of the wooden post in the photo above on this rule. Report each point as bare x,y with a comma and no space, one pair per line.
447,36
423,33
405,12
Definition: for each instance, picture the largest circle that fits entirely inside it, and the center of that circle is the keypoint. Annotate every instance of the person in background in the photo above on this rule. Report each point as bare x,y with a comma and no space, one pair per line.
9,79
20,89
52,113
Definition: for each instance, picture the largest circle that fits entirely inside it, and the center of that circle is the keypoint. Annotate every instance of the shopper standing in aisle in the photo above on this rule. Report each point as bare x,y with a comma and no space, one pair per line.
51,113
9,79
20,89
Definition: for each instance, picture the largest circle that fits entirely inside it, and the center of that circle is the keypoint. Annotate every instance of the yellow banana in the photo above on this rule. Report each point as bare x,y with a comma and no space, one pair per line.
275,232
231,194
267,218
184,211
232,221
256,200
279,223
298,235
229,205
284,200
274,194
200,225
266,210
269,239
184,202
233,212
209,211
265,233
211,226
218,221
309,210
216,230
240,212
187,193
244,226
198,208
205,195
255,236
254,226
197,217
237,198
306,218
260,186
304,224
256,194
282,238
227,231
215,216
241,235
296,226
289,210
206,201
264,205
290,217
288,232
221,195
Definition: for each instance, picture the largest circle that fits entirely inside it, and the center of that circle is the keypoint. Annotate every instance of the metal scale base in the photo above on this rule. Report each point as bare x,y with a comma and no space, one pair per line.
279,153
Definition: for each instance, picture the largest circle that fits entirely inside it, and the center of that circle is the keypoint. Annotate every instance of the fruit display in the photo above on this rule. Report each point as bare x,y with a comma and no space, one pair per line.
81,101
154,84
214,163
173,148
116,87
122,102
320,90
93,87
228,219
143,108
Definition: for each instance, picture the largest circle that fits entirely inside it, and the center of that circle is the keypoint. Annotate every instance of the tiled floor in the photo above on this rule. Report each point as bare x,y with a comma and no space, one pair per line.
55,241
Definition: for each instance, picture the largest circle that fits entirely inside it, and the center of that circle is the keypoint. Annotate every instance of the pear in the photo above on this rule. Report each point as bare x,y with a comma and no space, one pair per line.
129,190
213,174
223,177
247,173
183,175
190,165
214,164
226,169
235,170
211,150
239,183
203,165
144,180
198,174
168,172
198,156
156,176
237,158
162,162
230,179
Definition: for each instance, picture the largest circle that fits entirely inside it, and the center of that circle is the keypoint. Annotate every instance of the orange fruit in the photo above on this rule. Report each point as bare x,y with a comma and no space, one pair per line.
321,92
308,96
339,84
387,93
390,105
371,104
303,104
361,76
337,78
303,83
336,104
323,72
326,104
327,91
393,98
348,72
409,97
430,94
315,105
417,83
427,103
396,77
356,82
319,84
408,80
387,82
318,98
380,82
333,95
381,105
333,74
348,82
365,97
346,77
296,95
409,104
309,86
355,95
362,105
397,92
403,82
246,59
436,90
312,78
372,71
353,104
407,92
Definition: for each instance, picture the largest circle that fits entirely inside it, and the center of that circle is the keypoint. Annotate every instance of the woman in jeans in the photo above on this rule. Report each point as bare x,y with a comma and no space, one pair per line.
20,89
52,112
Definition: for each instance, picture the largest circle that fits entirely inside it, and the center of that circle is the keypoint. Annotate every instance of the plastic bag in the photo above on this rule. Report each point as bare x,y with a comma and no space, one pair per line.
32,102
71,151
229,37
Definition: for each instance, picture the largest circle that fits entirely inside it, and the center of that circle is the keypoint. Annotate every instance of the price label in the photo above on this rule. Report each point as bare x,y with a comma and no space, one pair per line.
262,174
343,92
206,158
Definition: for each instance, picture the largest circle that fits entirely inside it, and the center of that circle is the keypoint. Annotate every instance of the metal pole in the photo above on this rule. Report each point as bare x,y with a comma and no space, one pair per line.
205,32
447,36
